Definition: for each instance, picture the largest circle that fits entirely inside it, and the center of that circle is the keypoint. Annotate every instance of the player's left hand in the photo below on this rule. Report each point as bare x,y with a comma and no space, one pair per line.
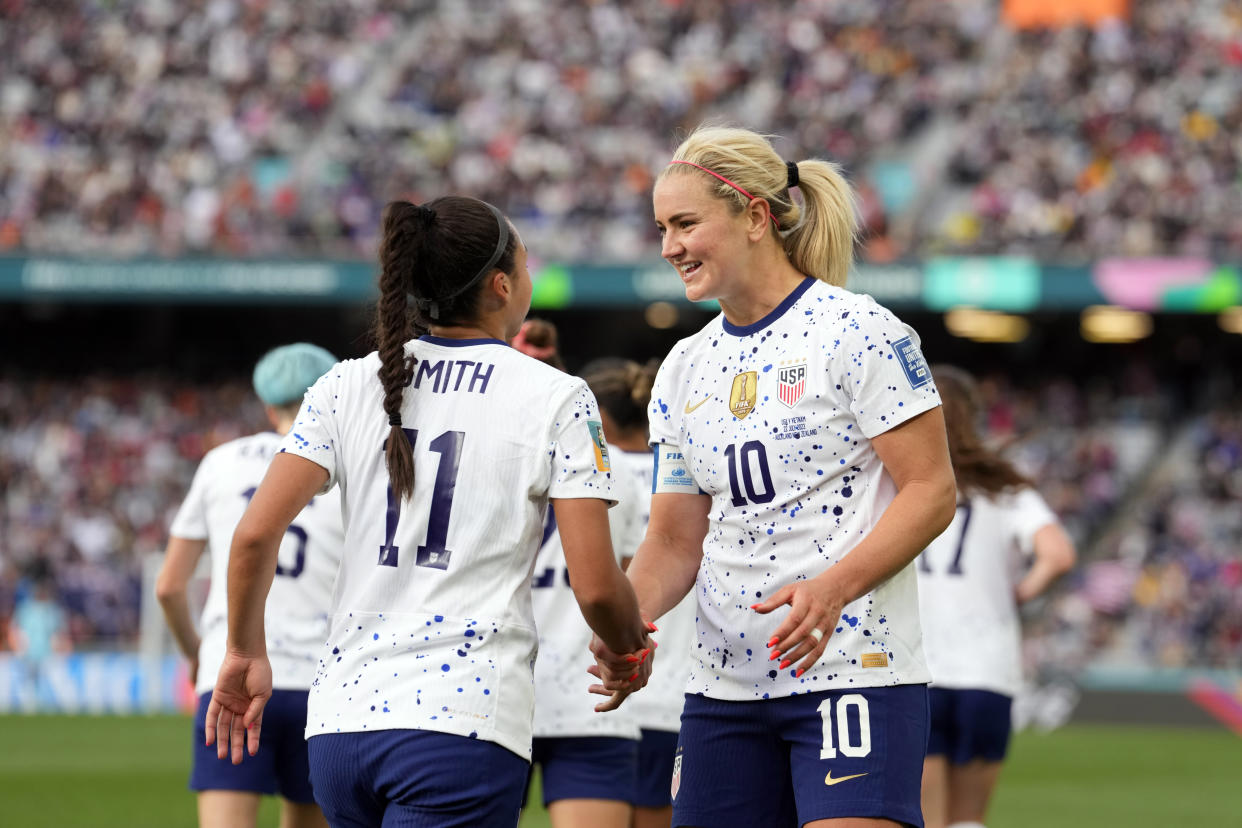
235,714
815,610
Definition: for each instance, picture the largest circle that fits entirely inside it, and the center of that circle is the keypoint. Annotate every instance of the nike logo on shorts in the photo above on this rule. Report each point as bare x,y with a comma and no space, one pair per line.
828,780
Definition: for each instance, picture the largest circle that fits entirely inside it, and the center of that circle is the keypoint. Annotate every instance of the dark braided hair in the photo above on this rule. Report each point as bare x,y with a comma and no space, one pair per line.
428,252
978,468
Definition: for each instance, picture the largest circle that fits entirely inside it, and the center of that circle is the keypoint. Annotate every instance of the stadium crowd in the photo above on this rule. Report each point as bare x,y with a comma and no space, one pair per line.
261,127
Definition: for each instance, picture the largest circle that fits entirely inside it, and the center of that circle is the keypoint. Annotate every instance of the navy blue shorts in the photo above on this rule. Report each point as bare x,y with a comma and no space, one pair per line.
280,766
655,768
586,767
788,761
416,779
969,724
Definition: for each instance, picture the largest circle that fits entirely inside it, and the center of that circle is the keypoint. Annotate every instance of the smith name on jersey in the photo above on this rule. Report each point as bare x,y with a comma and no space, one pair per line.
432,626
774,422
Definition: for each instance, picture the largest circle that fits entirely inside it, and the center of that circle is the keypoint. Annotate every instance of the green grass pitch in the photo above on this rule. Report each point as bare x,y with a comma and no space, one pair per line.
91,772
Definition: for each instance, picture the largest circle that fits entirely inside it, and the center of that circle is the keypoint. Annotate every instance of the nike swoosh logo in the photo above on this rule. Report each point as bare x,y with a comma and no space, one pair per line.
690,407
828,780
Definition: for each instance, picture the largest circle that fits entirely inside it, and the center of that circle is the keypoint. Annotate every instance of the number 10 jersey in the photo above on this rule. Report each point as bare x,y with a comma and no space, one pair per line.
773,421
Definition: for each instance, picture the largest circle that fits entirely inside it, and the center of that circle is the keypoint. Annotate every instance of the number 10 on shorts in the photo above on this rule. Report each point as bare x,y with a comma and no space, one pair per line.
840,724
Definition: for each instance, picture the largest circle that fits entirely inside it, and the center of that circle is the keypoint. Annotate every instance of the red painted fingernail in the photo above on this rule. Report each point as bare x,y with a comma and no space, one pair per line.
632,659
784,664
775,655
633,677
799,673
773,640
652,627
754,606
655,644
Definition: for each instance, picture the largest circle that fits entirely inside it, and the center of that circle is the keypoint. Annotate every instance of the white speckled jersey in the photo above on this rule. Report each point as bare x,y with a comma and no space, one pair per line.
658,705
431,625
563,706
296,616
774,421
967,577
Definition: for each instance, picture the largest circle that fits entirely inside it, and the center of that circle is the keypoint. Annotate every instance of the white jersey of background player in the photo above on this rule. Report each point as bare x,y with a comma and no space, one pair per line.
752,417
968,579
658,706
562,708
297,606
447,449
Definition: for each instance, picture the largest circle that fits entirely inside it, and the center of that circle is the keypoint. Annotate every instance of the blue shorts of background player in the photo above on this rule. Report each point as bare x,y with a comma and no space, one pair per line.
586,767
416,779
789,761
280,766
656,752
969,724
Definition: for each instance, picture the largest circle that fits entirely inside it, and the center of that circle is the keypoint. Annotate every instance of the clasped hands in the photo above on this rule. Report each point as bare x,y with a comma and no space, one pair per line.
621,674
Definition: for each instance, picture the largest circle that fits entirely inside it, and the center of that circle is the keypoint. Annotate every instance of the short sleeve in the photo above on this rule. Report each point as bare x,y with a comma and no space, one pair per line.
314,434
580,462
1030,514
664,426
190,521
882,369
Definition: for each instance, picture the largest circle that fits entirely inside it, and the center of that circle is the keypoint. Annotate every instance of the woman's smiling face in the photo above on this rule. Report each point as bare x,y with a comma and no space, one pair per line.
702,237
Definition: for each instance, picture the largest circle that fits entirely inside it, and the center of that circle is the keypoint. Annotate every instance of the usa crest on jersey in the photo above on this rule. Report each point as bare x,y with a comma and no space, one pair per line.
676,784
791,383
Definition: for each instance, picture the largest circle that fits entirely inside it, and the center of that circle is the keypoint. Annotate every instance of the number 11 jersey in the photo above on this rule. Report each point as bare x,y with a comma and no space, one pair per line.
432,626
774,422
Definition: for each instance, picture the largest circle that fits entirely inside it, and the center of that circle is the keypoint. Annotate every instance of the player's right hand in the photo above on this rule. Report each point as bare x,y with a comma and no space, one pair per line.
620,674
235,714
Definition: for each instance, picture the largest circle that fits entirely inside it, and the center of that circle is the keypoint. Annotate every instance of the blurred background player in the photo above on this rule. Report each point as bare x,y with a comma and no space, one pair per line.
1004,548
623,389
588,762
447,449
801,462
297,607
37,632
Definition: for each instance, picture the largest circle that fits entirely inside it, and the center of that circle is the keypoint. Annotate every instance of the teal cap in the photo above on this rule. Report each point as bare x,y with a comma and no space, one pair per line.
283,374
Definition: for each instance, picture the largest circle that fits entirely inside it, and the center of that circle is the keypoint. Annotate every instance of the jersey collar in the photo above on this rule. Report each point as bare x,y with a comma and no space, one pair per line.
777,312
460,343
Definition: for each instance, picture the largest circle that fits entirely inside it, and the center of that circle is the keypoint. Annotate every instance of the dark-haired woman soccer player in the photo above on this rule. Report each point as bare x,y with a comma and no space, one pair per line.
1004,547
447,449
297,614
801,465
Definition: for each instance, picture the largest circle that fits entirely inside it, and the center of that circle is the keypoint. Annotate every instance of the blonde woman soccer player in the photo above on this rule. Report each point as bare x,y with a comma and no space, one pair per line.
1004,547
623,389
447,449
801,465
297,608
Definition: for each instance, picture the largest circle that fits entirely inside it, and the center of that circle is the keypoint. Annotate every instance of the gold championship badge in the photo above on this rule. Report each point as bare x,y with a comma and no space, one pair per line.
745,392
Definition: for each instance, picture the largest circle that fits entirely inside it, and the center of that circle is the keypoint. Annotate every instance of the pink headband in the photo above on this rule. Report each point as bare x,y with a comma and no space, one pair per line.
749,197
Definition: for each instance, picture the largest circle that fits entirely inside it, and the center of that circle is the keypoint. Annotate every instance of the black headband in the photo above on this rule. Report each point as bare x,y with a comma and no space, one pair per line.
792,168
502,241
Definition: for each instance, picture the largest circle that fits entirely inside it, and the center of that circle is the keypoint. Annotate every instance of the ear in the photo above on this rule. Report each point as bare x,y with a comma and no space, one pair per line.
499,286
757,214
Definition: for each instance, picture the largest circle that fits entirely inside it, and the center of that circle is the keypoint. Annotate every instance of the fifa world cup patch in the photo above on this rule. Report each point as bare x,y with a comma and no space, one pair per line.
875,660
601,448
744,393
791,383
912,362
